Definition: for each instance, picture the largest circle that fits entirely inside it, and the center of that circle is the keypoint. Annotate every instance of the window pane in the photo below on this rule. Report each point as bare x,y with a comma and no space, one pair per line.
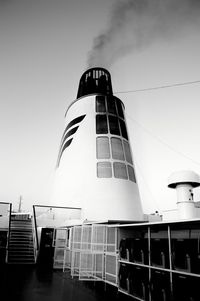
119,108
123,129
104,170
100,104
111,105
120,170
103,150
101,124
114,125
127,152
117,149
131,174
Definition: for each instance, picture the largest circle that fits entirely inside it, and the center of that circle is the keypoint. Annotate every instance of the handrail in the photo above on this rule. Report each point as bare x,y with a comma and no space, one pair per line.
8,237
50,207
59,207
35,225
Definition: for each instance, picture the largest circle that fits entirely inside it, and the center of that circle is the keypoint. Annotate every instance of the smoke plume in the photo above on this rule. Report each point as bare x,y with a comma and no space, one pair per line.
136,24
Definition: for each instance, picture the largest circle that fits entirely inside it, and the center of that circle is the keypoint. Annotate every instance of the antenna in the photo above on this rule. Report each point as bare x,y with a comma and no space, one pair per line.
20,203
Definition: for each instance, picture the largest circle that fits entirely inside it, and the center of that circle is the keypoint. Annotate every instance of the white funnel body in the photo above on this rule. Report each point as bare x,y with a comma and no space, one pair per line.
95,169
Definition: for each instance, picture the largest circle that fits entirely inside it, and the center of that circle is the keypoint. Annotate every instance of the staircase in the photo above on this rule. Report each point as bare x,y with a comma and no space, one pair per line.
20,244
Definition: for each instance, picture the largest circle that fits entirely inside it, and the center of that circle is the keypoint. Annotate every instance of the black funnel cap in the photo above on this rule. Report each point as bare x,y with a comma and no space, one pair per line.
95,81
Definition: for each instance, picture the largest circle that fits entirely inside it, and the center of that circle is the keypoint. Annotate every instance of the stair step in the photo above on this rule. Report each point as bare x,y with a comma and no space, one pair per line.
21,222
21,235
21,258
18,249
15,245
21,245
20,241
21,261
17,255
21,226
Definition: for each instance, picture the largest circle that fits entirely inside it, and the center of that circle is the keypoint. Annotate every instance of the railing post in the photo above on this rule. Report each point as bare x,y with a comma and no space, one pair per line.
8,236
35,225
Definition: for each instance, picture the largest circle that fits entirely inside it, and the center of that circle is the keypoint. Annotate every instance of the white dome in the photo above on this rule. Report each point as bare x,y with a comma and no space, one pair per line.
183,177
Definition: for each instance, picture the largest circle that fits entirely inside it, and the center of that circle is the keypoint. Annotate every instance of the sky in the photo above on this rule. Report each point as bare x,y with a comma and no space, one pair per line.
46,45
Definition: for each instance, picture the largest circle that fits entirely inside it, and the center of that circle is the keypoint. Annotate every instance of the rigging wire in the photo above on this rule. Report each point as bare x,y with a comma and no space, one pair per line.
159,87
163,142
154,201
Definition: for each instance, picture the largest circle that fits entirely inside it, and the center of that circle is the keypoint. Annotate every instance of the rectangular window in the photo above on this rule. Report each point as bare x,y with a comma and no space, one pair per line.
101,124
103,149
131,174
104,170
123,129
119,108
117,149
120,170
127,152
114,125
111,105
100,104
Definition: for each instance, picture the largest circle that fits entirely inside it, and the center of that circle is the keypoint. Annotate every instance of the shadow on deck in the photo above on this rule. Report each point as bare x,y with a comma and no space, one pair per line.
32,283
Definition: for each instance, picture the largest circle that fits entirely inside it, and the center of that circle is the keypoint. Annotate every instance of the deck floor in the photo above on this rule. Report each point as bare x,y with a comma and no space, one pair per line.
31,283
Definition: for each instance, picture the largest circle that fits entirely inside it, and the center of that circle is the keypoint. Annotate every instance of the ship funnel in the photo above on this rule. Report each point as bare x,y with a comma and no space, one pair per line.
95,169
184,182
95,80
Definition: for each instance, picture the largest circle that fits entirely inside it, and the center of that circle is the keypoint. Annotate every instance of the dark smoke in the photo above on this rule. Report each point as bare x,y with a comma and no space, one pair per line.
135,24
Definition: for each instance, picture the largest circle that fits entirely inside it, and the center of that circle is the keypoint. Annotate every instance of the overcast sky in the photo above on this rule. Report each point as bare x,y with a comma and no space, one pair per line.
46,45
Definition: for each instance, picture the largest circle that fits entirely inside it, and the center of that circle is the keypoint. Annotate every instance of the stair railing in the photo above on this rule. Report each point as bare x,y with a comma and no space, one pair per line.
9,227
35,235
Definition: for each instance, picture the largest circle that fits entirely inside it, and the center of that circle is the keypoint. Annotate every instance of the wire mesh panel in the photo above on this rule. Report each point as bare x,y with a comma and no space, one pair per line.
58,258
67,259
86,266
111,268
76,238
60,237
93,253
86,256
111,240
98,266
75,263
111,262
91,266
98,238
86,238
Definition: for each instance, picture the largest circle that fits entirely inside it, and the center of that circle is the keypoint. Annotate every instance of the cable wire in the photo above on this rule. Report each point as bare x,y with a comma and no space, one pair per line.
159,87
163,142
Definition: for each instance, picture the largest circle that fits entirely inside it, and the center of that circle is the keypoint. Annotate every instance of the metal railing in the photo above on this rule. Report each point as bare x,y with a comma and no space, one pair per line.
52,217
6,223
35,233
